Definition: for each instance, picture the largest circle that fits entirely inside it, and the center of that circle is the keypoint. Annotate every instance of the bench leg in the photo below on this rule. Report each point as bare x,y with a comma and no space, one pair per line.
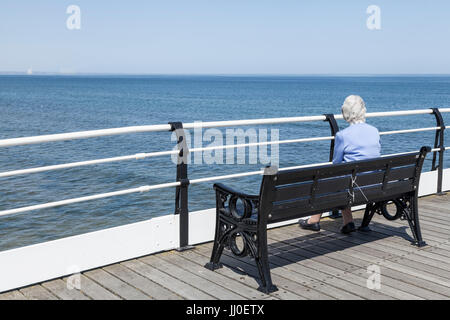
368,215
262,262
219,244
412,215
214,263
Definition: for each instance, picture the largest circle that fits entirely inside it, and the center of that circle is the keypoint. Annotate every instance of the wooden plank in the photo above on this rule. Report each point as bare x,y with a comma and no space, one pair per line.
427,215
200,270
12,295
59,288
444,245
438,251
405,232
366,239
434,226
412,279
435,199
116,285
395,242
94,290
339,288
285,278
150,288
308,249
434,207
378,246
358,280
429,212
289,289
434,210
295,261
333,247
415,248
424,282
181,288
311,255
397,239
414,272
425,256
269,298
395,283
37,292
194,280
444,222
443,248
291,286
228,272
401,227
440,204
372,245
428,232
429,226
399,266
390,277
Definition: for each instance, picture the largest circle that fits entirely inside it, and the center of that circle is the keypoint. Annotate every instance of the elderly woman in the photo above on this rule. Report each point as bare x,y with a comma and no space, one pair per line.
359,141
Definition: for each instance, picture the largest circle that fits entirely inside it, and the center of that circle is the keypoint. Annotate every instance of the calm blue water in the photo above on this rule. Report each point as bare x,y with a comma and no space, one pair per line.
45,104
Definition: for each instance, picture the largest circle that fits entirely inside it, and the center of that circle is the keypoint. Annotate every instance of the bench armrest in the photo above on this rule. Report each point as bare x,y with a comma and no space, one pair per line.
227,190
227,199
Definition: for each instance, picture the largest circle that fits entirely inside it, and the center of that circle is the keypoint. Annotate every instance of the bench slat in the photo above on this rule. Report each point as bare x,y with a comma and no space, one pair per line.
334,170
301,207
330,185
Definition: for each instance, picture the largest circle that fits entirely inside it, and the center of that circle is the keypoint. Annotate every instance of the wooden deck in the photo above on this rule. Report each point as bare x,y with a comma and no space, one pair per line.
305,265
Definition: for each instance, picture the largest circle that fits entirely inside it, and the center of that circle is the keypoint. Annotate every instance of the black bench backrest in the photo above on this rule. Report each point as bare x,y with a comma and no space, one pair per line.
301,192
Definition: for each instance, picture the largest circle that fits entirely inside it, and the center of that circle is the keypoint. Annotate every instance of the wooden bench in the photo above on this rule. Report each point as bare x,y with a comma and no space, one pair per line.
291,194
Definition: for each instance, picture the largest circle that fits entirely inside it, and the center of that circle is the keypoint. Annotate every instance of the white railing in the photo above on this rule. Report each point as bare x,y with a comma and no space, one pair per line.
167,127
213,124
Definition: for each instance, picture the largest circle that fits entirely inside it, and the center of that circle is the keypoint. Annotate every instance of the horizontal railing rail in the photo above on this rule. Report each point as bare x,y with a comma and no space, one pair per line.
148,188
213,124
182,180
140,156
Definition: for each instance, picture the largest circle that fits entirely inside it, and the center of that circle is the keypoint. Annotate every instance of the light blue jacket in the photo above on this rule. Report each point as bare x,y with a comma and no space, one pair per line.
359,141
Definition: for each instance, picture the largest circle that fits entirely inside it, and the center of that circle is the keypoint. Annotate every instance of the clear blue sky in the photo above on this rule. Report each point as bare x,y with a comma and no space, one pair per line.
226,37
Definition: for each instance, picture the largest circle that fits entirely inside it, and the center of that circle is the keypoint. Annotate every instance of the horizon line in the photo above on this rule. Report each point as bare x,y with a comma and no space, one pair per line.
45,73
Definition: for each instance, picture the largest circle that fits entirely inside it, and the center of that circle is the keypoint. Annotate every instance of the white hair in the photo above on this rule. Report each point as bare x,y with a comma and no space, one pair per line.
354,109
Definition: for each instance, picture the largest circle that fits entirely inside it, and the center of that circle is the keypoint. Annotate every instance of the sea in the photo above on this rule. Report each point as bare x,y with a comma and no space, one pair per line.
44,104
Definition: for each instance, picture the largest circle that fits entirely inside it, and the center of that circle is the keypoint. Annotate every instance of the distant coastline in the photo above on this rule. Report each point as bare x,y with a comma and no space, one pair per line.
37,73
